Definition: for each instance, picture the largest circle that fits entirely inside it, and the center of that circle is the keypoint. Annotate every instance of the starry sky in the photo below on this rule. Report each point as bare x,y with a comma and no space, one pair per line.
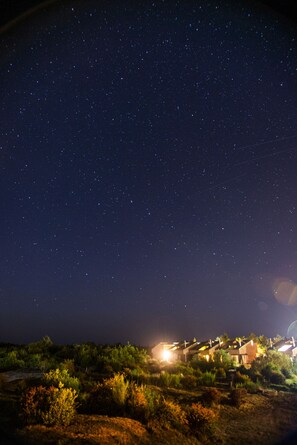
148,171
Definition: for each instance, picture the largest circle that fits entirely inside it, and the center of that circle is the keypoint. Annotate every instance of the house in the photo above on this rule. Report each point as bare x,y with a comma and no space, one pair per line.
204,350
160,351
241,350
172,351
287,346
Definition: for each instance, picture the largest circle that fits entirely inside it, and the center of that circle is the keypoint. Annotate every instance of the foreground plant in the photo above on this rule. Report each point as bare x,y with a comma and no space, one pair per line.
49,406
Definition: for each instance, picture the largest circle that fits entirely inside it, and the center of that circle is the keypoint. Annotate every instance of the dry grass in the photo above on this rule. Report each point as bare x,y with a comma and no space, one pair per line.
103,430
261,420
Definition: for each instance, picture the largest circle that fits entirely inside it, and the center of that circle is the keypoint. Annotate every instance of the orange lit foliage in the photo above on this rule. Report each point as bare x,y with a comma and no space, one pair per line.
212,396
201,419
49,406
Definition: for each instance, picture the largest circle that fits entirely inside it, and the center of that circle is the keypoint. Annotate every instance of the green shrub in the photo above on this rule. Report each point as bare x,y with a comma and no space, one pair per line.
120,357
119,389
237,396
34,361
189,381
211,397
57,376
244,381
99,400
277,378
202,364
142,403
200,420
286,373
221,359
11,361
49,406
220,374
206,379
274,360
68,365
273,374
137,375
170,380
241,378
108,397
250,386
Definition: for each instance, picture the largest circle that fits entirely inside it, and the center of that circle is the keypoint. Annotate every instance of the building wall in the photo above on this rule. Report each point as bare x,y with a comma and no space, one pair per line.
251,349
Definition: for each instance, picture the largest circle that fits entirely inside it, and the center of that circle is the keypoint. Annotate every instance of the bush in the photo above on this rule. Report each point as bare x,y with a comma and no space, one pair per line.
237,396
171,414
108,397
68,365
220,374
120,357
277,378
244,381
170,380
11,361
273,360
137,375
119,389
137,403
206,379
142,403
250,386
99,400
287,373
273,374
241,378
222,360
211,397
57,376
200,420
189,382
49,406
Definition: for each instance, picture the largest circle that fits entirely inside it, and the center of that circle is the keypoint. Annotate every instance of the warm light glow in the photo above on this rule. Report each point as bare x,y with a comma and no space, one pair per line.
207,357
166,355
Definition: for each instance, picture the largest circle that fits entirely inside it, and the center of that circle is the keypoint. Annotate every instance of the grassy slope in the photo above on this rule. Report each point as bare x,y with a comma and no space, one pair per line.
103,430
261,420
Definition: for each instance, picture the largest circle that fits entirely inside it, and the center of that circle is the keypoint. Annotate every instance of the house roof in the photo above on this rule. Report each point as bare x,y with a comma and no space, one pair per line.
235,344
205,346
284,345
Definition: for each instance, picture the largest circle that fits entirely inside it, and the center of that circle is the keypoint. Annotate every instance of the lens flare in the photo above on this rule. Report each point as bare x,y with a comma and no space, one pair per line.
285,291
292,330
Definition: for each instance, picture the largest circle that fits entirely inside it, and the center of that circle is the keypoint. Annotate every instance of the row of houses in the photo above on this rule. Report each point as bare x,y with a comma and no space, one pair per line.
241,350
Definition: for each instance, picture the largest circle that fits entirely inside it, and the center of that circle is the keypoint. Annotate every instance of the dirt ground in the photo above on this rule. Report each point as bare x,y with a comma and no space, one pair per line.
261,420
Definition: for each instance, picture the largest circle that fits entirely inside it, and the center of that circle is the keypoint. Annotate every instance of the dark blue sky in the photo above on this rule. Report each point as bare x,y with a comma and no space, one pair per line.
148,172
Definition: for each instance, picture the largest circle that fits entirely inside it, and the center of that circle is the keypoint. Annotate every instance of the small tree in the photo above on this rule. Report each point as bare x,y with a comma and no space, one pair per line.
222,360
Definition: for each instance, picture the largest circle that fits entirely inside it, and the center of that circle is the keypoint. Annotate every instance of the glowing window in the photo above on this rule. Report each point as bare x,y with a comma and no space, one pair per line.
284,348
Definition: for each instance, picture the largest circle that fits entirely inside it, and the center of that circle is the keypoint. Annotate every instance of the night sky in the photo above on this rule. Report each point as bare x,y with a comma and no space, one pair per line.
148,184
